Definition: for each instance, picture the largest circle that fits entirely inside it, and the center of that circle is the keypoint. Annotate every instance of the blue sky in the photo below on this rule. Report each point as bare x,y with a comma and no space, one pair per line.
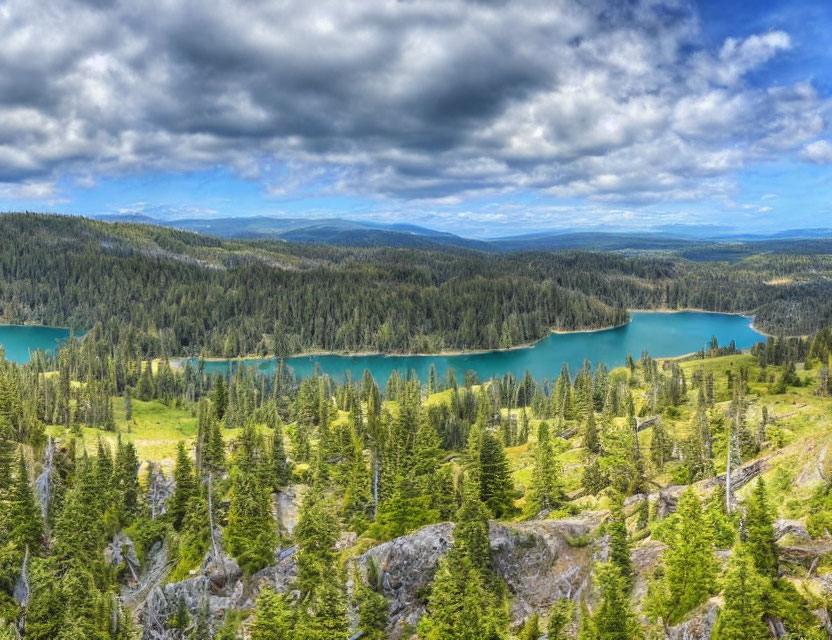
482,119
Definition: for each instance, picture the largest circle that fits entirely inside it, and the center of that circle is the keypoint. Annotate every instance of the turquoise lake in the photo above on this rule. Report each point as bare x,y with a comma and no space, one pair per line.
660,334
20,341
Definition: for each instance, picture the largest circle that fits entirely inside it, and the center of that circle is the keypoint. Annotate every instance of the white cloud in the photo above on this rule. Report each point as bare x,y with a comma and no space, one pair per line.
429,102
819,152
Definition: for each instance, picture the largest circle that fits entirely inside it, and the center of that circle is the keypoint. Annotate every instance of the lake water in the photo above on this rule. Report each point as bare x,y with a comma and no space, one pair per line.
660,334
20,341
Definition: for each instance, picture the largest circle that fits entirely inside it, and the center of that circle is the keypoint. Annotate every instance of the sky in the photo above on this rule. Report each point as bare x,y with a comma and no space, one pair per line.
480,117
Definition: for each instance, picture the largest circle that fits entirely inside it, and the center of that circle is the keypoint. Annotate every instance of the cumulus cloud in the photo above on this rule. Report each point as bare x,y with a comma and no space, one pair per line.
819,152
429,101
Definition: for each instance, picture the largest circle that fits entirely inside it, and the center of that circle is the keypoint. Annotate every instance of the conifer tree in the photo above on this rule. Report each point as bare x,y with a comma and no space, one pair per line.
219,397
620,543
587,629
126,480
531,628
660,445
687,575
560,615
614,619
251,533
147,388
592,440
280,462
24,515
273,617
547,491
7,449
741,618
495,477
358,498
466,601
315,535
759,531
373,612
325,616
185,486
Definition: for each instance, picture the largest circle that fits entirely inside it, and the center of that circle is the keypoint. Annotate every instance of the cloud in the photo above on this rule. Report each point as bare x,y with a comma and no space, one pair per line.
28,190
819,152
433,101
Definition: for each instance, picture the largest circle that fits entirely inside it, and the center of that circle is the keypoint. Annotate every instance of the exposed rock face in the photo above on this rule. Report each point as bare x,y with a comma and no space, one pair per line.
219,585
645,557
121,550
795,528
286,509
406,566
540,562
699,626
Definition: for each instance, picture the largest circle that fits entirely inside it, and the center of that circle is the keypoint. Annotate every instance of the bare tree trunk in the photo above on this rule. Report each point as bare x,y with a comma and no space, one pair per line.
217,555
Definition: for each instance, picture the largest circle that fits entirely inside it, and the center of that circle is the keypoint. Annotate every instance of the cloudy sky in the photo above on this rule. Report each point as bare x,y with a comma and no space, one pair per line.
482,117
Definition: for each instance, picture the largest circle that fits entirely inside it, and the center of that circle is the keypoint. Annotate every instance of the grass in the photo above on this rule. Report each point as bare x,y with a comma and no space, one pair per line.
155,430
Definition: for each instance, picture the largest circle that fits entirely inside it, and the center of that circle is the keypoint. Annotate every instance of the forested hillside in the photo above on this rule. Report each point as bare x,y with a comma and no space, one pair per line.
663,499
161,291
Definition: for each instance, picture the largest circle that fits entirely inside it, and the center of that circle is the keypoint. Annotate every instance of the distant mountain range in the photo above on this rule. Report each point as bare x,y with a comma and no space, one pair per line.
351,233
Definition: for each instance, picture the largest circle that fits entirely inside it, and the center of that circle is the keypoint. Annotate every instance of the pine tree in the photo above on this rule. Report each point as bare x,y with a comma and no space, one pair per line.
147,388
531,628
614,619
251,534
467,602
280,463
471,530
759,532
373,612
495,477
358,499
7,449
592,440
325,616
741,617
660,445
78,535
689,567
128,405
560,615
460,606
273,617
587,629
219,397
547,491
620,543
315,535
126,480
185,486
25,520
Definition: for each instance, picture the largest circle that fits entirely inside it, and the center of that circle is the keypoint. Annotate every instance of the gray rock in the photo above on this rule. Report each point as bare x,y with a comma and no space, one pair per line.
699,626
406,566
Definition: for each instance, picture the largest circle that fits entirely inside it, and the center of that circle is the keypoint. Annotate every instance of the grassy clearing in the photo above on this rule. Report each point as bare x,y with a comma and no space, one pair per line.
155,430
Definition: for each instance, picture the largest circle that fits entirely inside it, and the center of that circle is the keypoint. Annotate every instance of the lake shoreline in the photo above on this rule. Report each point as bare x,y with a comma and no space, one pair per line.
460,352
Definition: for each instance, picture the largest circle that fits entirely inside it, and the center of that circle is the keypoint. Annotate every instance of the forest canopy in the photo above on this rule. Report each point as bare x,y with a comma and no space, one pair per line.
174,293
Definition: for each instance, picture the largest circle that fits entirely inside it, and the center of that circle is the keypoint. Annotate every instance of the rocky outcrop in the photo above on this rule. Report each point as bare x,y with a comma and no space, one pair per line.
699,625
405,567
219,585
285,509
539,561
121,550
795,528
542,561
